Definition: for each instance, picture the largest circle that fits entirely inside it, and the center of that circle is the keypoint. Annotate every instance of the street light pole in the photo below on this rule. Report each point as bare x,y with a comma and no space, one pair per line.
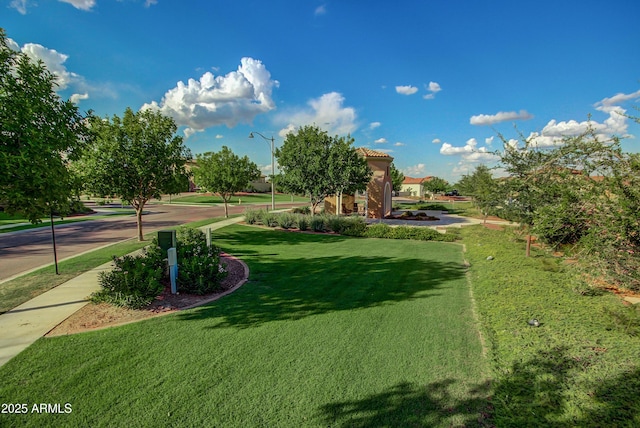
273,169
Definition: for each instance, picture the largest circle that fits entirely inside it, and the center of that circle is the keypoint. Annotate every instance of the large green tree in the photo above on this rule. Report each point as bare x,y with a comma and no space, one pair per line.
225,173
317,165
436,185
137,158
483,188
39,135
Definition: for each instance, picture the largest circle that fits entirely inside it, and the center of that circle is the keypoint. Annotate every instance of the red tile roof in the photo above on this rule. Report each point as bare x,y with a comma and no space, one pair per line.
411,180
368,153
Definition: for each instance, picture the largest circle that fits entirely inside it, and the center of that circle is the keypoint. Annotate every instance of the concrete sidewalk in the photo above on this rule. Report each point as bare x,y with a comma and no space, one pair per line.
25,324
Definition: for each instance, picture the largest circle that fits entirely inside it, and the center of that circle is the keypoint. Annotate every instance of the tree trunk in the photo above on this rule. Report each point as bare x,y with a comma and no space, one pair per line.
528,245
139,208
226,209
53,239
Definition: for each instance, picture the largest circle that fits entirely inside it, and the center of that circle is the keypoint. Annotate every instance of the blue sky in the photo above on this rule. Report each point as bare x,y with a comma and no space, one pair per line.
430,82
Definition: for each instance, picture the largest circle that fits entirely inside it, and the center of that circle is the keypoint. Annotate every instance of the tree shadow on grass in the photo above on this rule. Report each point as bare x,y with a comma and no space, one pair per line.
410,405
292,289
542,391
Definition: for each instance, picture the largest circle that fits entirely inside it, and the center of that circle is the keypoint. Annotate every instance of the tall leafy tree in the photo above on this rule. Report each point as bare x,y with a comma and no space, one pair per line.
436,185
225,173
318,165
484,189
137,158
397,177
39,135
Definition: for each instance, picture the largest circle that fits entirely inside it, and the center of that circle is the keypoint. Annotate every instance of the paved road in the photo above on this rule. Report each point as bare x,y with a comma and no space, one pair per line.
25,250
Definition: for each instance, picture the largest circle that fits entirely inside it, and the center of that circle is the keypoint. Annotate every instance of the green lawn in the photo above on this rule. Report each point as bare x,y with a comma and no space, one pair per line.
329,331
580,367
254,198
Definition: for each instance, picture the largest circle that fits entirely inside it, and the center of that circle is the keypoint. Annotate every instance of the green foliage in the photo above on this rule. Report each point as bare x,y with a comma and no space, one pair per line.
269,218
40,134
137,158
485,190
317,165
225,173
585,192
378,230
301,210
286,220
397,177
303,222
318,224
252,216
134,282
436,185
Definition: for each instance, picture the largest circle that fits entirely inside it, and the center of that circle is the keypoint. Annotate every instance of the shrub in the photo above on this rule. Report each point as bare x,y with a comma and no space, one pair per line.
355,226
335,223
133,283
303,222
199,269
433,207
286,220
301,210
269,219
317,223
378,230
252,216
406,214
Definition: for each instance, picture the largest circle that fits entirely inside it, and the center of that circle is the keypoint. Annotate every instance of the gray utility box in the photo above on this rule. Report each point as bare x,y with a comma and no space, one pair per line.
166,240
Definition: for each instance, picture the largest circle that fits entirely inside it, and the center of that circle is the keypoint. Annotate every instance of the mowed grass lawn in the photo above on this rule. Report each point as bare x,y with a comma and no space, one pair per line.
329,331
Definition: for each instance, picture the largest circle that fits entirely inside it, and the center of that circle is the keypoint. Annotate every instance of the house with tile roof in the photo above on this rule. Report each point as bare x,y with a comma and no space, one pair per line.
414,186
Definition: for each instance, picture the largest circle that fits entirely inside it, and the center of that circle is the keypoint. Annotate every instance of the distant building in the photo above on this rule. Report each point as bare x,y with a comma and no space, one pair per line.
414,186
379,190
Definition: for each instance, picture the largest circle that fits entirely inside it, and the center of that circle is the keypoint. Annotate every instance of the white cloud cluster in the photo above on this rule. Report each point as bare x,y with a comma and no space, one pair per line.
470,151
436,141
320,10
374,125
616,124
501,116
54,61
415,170
406,90
433,88
399,144
81,4
237,97
381,141
327,112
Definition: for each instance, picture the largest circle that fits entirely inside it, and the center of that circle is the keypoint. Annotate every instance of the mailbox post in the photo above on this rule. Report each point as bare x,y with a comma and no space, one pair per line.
172,258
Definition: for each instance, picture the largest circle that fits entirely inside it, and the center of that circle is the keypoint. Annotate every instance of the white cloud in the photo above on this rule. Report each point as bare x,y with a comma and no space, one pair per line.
327,112
415,170
381,141
553,133
19,5
374,125
436,141
616,100
320,10
406,90
219,136
81,4
149,3
429,96
488,141
55,63
76,98
399,144
470,152
237,97
434,87
502,116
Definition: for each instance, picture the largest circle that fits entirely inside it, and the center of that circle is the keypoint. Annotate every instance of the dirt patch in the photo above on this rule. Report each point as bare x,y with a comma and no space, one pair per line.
97,316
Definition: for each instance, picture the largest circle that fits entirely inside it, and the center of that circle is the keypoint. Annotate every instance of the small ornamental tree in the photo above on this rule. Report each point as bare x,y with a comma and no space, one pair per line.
397,177
436,185
137,157
484,189
225,173
317,165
